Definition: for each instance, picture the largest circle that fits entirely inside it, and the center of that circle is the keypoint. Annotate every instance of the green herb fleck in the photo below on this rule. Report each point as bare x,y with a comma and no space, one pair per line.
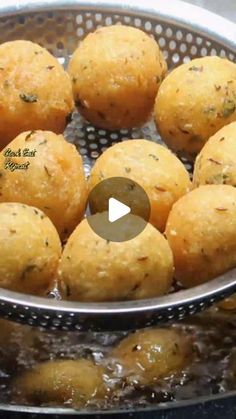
197,69
29,98
28,136
219,178
214,161
43,142
50,67
229,107
153,156
209,109
47,171
127,169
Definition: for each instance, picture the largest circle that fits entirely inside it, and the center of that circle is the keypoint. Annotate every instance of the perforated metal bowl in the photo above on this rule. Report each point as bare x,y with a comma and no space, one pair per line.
183,32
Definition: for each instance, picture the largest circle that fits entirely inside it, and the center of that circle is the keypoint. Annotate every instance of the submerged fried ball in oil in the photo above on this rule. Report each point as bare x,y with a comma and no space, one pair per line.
149,355
216,163
116,72
228,304
30,249
47,172
201,233
194,102
159,172
94,269
73,382
35,91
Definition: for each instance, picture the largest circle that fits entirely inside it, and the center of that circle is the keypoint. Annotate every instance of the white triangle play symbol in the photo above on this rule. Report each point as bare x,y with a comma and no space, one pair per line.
116,210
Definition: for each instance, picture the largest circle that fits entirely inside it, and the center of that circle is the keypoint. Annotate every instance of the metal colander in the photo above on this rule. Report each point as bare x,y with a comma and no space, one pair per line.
183,32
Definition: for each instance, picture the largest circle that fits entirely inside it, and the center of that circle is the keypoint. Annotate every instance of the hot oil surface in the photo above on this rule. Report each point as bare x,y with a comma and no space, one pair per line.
211,371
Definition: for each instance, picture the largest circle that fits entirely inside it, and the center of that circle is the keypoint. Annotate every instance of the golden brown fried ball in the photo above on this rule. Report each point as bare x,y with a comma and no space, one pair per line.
216,163
228,304
194,102
74,382
158,171
149,355
201,233
35,91
93,269
51,177
116,72
30,249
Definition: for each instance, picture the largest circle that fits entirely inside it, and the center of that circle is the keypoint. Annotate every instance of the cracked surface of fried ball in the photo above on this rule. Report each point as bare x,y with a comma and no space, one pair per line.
30,249
194,102
149,355
216,163
35,91
94,269
201,233
54,180
74,382
116,72
158,171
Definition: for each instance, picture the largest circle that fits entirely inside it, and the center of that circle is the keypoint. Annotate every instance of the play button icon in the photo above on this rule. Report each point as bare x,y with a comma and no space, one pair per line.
122,209
116,210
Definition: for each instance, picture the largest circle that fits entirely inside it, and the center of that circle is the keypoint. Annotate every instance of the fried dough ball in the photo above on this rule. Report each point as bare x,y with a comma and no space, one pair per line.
47,172
73,382
228,304
94,269
149,355
194,102
201,233
30,249
216,163
35,91
116,72
158,171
